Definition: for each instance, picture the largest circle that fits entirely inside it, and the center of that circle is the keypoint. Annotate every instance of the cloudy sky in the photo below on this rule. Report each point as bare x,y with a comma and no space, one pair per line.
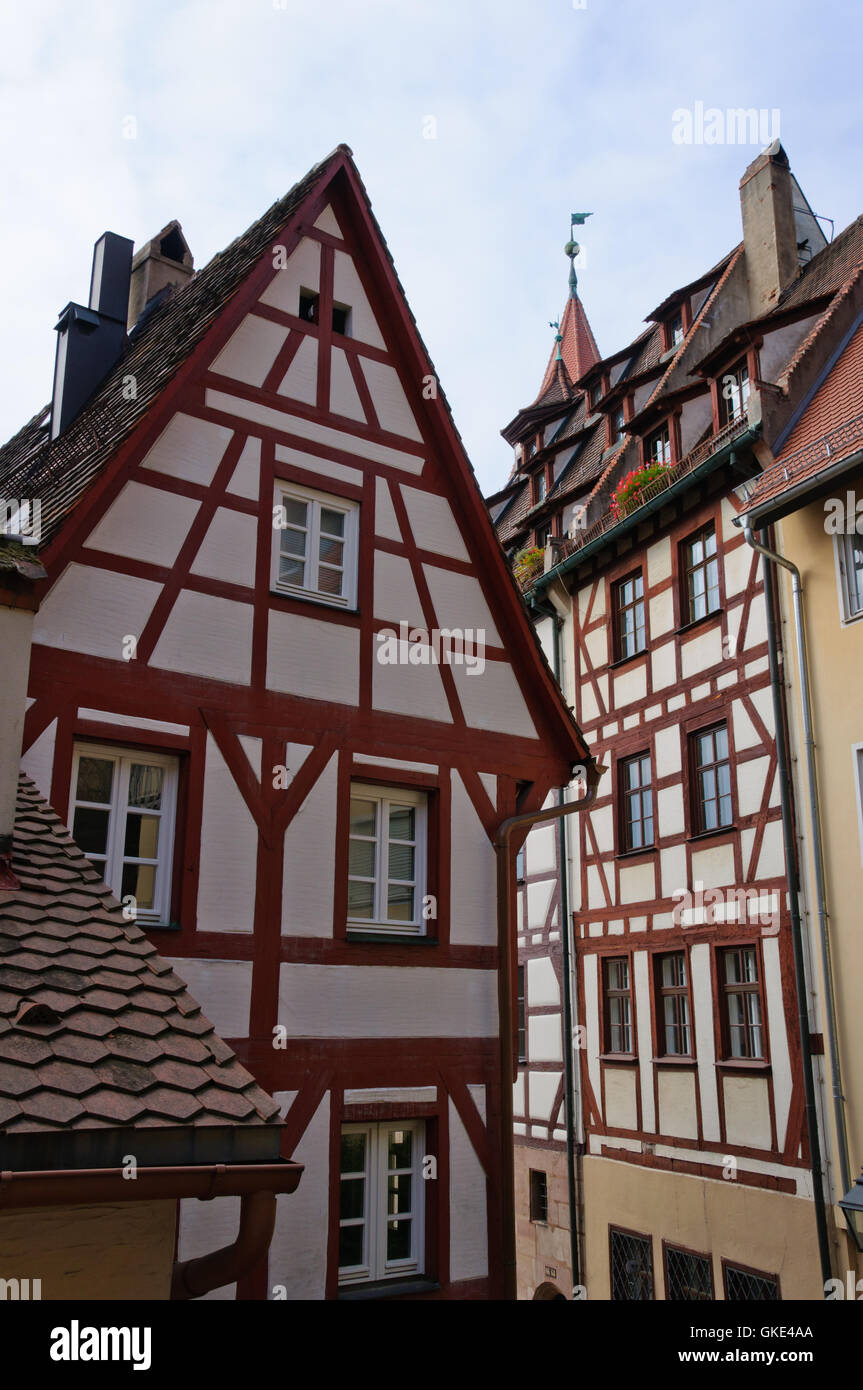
540,108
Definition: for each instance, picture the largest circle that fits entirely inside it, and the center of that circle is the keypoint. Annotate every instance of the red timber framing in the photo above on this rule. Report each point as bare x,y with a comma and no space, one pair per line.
692,676
81,692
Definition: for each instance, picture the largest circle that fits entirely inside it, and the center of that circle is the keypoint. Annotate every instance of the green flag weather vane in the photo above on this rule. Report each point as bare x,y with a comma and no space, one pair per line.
572,248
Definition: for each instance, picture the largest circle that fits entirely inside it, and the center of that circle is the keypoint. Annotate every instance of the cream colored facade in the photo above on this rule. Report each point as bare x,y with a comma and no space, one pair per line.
835,649
121,1250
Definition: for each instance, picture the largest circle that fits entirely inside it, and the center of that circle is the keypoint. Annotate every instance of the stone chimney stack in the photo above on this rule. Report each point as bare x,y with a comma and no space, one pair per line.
165,260
769,228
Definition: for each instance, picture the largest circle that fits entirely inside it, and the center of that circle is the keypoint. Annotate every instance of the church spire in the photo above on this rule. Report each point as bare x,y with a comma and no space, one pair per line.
572,248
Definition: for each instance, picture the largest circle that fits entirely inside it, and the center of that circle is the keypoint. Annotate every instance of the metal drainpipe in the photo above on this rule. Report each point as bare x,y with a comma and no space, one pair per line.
506,1001
786,799
817,844
569,1069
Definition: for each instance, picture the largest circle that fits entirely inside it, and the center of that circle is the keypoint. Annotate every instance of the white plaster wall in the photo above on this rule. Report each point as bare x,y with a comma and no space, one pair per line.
348,289
403,688
468,1222
630,686
459,602
491,699
701,652
542,986
38,761
677,1110
93,610
327,222
246,478
310,429
473,889
300,381
229,851
341,1001
189,448
313,659
310,854
747,1111
228,550
251,351
298,1251
386,524
302,270
145,523
389,400
344,397
319,467
702,1008
396,598
544,1039
621,1105
223,988
207,636
432,522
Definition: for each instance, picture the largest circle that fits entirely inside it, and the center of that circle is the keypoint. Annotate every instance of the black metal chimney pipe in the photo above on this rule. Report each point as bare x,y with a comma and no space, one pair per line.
91,339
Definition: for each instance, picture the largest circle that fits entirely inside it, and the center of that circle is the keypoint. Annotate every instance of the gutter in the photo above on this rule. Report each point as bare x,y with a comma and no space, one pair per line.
778,507
256,1183
817,844
525,820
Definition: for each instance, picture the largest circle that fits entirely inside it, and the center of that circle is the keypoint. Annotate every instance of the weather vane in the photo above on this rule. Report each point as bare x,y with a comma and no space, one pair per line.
572,248
558,338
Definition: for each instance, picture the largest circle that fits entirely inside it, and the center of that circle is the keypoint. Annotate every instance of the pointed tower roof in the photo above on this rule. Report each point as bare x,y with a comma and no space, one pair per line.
576,352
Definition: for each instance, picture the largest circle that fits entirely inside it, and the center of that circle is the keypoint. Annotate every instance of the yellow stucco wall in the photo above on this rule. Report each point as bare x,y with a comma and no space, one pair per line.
119,1251
836,677
769,1231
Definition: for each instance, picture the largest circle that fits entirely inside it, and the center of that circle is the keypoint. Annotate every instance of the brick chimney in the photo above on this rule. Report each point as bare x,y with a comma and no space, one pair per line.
769,230
164,260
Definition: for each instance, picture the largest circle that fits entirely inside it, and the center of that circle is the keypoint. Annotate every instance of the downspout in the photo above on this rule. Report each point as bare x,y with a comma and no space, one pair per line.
568,1068
525,820
193,1278
817,844
786,801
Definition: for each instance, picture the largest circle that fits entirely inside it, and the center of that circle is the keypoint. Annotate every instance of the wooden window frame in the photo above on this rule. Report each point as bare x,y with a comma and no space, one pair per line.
697,804
852,603
624,793
317,501
384,796
725,988
661,991
617,610
686,569
122,756
607,994
665,428
375,1268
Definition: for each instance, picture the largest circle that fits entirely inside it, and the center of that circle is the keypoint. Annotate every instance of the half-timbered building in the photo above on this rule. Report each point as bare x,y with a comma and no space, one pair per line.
284,692
697,1091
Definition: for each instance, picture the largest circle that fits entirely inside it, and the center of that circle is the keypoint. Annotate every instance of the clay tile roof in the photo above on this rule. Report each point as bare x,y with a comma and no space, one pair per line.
578,349
138,1051
830,429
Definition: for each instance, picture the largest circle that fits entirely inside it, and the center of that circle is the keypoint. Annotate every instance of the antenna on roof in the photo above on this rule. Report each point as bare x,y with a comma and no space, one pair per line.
572,248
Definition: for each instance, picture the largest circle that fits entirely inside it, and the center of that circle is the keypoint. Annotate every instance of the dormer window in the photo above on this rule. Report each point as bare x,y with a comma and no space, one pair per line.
733,392
675,329
657,448
595,393
539,488
618,425
531,449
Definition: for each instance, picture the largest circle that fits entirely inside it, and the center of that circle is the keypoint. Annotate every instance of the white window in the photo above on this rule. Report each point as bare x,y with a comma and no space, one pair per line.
121,816
381,1201
386,859
315,548
850,551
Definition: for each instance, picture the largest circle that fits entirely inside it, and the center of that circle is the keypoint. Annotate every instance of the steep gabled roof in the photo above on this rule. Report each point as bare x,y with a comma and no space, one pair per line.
59,473
578,353
98,1035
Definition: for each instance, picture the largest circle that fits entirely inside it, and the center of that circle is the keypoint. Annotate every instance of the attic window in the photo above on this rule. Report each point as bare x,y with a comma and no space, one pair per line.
675,329
309,305
341,319
595,392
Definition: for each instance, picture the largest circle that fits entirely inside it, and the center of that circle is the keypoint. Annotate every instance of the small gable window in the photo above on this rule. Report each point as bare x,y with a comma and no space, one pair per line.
342,319
675,329
315,546
309,302
733,392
